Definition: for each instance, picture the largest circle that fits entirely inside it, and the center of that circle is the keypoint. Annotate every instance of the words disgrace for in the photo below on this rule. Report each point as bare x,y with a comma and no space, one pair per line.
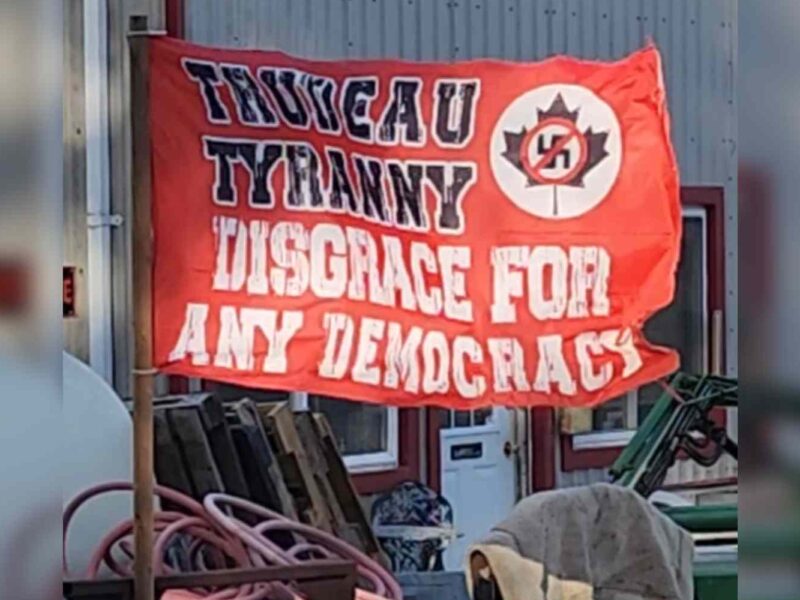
286,259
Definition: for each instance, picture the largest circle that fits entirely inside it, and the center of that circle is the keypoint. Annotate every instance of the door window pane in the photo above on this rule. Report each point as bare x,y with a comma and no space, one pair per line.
482,416
468,418
461,418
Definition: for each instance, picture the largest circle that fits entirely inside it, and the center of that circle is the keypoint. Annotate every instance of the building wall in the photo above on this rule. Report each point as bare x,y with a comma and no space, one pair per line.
96,133
697,40
119,14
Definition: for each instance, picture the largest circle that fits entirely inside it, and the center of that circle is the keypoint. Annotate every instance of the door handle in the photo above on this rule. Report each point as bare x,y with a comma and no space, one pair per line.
509,449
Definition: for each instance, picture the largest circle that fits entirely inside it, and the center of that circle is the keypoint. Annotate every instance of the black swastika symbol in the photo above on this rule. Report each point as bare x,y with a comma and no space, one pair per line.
564,154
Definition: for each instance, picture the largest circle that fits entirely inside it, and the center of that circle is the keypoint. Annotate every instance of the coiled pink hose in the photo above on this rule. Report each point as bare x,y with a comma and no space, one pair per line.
213,534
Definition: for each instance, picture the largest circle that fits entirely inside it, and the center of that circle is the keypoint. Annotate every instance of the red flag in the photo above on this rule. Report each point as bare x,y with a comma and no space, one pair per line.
461,234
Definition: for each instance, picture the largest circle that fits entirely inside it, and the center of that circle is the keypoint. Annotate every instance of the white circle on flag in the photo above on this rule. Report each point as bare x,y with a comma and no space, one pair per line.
556,151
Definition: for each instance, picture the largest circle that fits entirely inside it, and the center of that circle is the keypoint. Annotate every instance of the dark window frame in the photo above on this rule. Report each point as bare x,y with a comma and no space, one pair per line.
712,199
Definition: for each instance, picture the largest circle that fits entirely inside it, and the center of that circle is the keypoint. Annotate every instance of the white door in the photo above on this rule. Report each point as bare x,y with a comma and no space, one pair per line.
477,475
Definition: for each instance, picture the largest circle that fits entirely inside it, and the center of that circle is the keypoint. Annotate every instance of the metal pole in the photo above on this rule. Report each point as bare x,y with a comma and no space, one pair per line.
98,200
143,371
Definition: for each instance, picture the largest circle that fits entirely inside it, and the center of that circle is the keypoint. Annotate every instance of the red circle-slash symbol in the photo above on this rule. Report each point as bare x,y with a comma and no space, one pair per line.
535,170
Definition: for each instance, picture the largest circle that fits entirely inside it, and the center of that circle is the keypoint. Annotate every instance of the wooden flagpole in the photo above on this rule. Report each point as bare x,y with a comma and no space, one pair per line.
143,371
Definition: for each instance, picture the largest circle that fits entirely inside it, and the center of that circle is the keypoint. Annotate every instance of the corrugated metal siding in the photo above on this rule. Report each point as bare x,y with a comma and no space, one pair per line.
683,471
697,39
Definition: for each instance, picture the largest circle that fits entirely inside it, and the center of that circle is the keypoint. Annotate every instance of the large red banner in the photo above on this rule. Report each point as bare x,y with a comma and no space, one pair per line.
461,234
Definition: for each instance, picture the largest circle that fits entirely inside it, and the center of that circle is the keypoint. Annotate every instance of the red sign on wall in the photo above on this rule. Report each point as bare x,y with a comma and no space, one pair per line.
68,292
412,233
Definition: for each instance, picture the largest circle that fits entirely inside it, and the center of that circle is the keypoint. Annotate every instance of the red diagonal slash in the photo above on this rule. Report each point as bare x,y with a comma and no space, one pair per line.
555,149
535,171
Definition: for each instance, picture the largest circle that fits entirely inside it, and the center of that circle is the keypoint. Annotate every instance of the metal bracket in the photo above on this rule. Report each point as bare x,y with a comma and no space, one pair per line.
139,26
94,220
147,33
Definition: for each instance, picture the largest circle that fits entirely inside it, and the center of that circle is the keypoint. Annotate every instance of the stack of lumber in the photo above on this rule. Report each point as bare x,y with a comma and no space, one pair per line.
285,461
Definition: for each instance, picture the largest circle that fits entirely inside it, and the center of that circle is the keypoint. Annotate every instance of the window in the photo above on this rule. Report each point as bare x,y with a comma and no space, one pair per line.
683,325
468,418
367,434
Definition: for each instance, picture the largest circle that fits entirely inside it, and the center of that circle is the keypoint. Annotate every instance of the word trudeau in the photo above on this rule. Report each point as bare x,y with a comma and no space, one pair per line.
296,99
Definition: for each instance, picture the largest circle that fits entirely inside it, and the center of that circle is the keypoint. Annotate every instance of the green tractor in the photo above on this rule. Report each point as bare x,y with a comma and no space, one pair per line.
681,423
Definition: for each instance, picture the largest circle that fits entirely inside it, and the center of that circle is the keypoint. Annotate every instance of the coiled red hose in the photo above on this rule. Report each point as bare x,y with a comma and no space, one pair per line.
216,539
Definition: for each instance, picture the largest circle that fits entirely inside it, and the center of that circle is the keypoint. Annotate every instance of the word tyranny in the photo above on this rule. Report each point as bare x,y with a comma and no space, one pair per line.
384,191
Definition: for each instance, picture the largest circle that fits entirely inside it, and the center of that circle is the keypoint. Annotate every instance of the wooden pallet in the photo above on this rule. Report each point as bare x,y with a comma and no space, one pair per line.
197,423
170,467
285,461
307,430
295,465
258,462
343,489
316,475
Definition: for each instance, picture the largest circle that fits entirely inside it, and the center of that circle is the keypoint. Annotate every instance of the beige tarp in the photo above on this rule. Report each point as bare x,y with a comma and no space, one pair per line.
598,542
